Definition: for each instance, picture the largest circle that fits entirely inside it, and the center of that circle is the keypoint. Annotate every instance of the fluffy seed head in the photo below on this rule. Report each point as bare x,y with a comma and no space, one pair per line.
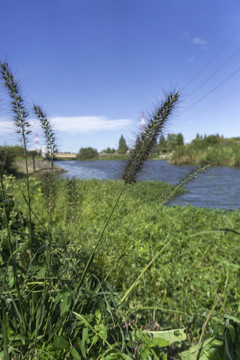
48,131
20,113
146,140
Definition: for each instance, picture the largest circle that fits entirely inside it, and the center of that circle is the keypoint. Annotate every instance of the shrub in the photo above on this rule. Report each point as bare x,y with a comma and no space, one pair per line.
87,153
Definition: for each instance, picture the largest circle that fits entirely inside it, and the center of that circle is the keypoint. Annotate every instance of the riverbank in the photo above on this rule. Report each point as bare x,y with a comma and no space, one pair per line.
224,154
140,227
37,166
105,156
218,187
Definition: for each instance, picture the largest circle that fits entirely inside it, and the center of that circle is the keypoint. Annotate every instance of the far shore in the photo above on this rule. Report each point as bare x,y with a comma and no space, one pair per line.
37,166
104,156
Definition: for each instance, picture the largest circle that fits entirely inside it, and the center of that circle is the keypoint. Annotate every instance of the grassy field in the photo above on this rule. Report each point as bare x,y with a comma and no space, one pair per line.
105,270
199,265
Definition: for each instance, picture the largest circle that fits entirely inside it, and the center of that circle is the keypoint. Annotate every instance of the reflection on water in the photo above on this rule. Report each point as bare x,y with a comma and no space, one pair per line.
219,187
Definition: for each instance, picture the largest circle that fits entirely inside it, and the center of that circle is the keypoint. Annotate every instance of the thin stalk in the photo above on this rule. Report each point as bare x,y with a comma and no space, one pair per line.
5,337
20,115
29,198
51,148
33,212
193,174
142,272
136,159
204,329
93,330
5,214
99,240
118,260
16,283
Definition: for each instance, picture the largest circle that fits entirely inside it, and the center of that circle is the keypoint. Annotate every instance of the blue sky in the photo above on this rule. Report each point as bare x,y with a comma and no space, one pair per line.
93,65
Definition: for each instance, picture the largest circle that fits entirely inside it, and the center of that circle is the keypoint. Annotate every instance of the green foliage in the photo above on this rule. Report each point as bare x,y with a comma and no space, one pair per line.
178,297
213,150
108,151
8,154
171,142
179,140
14,151
157,280
87,154
122,146
162,144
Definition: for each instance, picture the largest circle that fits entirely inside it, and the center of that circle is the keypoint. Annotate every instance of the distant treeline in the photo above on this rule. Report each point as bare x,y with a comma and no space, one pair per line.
9,154
213,149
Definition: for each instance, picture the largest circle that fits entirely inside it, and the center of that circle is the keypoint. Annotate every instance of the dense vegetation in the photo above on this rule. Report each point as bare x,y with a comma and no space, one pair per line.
103,270
87,154
213,149
122,147
162,145
198,267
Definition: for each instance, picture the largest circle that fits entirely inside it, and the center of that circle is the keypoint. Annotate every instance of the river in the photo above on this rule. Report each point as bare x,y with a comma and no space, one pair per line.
219,187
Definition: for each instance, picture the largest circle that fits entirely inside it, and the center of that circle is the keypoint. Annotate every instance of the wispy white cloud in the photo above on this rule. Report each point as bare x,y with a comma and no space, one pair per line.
87,124
6,127
74,124
198,41
191,59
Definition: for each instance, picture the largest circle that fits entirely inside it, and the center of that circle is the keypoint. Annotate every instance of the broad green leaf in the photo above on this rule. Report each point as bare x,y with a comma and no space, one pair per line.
41,273
18,337
170,336
211,349
158,341
83,341
60,343
84,335
65,304
75,354
237,321
94,339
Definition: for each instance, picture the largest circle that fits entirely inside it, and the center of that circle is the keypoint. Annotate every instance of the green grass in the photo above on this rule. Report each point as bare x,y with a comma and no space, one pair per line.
142,225
199,266
182,285
103,270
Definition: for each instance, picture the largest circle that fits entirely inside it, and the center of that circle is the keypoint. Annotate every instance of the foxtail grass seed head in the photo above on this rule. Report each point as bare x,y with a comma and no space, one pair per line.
193,174
48,131
20,114
147,139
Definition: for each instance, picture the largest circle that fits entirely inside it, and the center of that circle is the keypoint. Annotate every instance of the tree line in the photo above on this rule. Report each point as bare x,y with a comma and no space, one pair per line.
213,149
164,144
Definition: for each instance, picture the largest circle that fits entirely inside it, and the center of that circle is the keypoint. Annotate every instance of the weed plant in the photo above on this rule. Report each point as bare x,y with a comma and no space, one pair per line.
66,295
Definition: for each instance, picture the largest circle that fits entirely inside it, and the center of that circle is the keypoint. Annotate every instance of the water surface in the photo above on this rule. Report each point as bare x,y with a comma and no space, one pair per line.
219,187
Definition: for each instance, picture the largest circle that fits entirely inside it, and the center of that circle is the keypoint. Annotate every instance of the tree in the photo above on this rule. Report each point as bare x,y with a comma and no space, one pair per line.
108,151
179,140
87,153
122,147
162,144
171,141
155,149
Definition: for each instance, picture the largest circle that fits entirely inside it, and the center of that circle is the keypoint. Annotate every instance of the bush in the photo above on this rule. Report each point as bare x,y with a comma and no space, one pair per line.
7,156
87,153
